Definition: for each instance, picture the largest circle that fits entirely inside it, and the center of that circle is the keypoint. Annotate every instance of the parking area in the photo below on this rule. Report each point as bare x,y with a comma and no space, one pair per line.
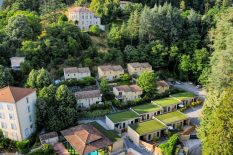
187,86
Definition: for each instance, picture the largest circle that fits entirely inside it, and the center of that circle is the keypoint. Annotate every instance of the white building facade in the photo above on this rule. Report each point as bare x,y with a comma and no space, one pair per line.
17,112
87,98
76,73
84,17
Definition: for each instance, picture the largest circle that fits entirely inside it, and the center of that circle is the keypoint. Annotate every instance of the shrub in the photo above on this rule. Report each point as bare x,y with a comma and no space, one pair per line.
23,147
168,148
94,29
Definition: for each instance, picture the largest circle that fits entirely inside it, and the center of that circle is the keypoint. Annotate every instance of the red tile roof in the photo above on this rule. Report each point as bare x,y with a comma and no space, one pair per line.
85,138
14,94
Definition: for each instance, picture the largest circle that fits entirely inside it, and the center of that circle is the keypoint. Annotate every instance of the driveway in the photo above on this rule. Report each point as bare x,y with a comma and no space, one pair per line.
194,114
194,146
190,88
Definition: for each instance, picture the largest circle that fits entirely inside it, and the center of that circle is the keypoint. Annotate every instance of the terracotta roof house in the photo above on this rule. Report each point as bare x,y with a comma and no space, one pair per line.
86,139
16,61
84,17
17,112
137,68
127,92
110,72
76,73
87,98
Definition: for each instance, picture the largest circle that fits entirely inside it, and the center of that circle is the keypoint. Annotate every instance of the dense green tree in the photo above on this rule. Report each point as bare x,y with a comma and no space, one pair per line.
147,81
56,108
161,23
64,96
84,3
6,77
22,26
31,80
43,78
107,9
64,118
104,87
25,68
214,131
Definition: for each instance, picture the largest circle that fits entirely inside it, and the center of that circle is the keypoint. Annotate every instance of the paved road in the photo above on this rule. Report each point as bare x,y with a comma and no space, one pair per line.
194,146
194,113
191,88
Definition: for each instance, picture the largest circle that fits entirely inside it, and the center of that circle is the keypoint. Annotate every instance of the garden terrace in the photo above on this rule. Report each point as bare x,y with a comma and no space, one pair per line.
110,134
172,117
166,101
183,96
148,127
146,108
122,116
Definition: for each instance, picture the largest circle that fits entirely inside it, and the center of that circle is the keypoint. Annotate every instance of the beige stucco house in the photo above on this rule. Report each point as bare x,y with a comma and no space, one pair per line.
127,92
76,73
17,112
16,61
110,72
87,98
137,68
162,86
84,17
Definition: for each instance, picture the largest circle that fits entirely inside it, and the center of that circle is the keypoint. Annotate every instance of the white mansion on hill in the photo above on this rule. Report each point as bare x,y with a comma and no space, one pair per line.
85,18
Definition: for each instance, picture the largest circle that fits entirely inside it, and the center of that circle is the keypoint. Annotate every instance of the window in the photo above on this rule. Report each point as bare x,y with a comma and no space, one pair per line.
29,109
27,100
13,126
68,75
11,116
30,118
10,107
4,125
2,116
1,106
26,131
31,126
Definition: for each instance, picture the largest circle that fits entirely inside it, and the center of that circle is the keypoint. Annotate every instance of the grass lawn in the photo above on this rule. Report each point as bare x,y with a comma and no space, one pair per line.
146,108
111,134
122,116
166,101
148,127
172,117
183,96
